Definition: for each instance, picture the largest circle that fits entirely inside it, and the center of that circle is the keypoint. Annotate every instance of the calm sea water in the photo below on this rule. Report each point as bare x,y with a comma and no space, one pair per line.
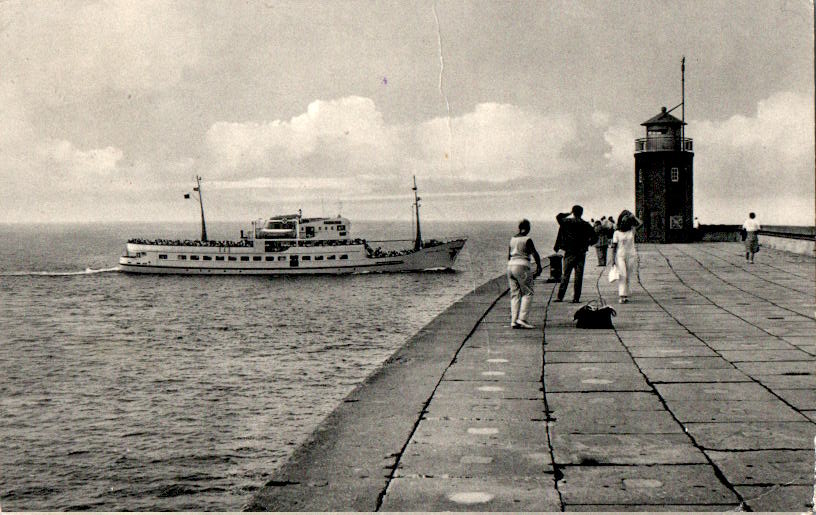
125,392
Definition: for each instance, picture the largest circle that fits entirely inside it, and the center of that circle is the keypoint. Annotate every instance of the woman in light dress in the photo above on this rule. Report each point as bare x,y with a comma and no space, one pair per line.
625,253
751,227
520,277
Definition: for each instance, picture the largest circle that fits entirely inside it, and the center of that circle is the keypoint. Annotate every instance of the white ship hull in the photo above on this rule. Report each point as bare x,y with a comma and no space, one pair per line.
253,260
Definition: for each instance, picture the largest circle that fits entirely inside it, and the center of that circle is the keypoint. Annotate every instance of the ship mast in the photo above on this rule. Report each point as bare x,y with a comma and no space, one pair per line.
201,203
418,242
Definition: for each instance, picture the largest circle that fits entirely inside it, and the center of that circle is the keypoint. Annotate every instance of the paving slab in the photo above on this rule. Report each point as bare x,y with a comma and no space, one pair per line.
649,485
697,392
472,494
565,377
604,421
603,402
733,411
684,362
794,498
588,357
465,391
766,467
624,449
802,399
765,355
686,508
750,436
690,375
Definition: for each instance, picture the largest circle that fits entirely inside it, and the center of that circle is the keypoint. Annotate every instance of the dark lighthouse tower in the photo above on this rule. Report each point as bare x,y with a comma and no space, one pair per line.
664,179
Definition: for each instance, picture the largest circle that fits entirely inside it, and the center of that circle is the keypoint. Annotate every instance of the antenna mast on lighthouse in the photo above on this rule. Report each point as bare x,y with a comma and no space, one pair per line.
683,101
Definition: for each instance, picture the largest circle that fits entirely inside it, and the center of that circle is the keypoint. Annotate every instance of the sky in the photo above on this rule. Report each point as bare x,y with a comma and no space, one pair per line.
502,110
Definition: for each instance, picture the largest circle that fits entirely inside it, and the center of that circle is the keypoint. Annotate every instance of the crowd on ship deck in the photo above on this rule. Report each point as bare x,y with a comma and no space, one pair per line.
191,243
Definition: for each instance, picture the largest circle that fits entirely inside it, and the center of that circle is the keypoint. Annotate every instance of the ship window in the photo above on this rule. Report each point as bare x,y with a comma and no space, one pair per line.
331,257
181,256
256,258
342,234
675,175
207,258
307,258
219,258
270,258
162,256
194,258
281,258
318,258
341,227
244,258
344,256
231,258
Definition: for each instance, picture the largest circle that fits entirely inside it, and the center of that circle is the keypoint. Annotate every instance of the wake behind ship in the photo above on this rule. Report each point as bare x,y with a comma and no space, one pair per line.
288,244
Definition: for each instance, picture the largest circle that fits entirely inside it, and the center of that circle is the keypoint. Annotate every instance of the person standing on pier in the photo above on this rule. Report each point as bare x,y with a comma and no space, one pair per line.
751,227
575,237
625,253
519,276
603,241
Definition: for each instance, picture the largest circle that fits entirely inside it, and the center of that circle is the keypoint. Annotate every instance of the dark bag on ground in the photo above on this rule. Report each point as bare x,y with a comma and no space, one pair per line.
594,316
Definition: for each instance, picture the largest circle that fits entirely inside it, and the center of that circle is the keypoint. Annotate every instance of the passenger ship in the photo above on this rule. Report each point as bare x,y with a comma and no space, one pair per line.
288,244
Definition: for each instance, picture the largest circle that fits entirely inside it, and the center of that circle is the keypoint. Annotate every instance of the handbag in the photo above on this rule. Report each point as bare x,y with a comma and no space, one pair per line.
614,275
594,315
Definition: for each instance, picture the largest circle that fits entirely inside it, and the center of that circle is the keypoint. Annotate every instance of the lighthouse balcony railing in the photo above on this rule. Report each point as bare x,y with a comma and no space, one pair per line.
663,143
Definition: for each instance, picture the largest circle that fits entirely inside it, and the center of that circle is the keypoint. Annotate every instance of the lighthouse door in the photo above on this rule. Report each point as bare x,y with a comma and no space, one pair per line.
656,230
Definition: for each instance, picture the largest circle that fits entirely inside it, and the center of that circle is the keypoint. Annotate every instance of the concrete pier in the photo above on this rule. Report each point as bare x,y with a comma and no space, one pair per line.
703,398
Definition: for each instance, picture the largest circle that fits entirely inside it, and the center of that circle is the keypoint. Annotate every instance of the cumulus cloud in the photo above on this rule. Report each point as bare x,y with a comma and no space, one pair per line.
349,137
620,146
762,162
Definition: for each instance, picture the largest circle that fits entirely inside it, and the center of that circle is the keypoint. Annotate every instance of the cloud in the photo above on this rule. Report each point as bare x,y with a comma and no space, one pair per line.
349,137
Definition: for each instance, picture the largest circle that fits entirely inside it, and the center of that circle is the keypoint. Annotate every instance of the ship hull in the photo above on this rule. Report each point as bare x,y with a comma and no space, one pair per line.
332,260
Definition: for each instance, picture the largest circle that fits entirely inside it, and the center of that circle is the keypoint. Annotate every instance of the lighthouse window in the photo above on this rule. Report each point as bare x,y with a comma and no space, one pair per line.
675,175
244,258
162,256
640,176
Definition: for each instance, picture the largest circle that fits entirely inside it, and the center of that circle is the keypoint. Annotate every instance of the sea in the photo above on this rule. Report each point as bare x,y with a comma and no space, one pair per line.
123,392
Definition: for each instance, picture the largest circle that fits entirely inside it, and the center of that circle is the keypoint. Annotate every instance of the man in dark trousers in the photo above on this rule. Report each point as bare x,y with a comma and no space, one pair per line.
575,236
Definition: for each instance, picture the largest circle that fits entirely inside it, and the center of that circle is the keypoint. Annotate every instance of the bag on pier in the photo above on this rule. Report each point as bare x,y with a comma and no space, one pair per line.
614,275
594,315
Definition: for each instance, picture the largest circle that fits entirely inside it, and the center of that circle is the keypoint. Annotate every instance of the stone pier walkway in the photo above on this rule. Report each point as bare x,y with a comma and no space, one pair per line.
702,398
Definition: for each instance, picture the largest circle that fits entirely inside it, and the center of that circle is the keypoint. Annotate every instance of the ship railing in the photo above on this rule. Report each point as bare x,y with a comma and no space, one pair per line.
190,243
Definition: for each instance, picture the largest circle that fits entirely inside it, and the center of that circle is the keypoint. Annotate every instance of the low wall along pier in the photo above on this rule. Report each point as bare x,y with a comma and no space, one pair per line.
790,238
701,398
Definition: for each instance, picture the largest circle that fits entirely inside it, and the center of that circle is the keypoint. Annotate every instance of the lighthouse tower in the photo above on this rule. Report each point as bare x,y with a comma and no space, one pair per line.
664,181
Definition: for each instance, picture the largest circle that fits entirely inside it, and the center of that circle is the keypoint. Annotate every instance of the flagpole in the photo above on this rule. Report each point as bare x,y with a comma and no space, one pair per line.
201,203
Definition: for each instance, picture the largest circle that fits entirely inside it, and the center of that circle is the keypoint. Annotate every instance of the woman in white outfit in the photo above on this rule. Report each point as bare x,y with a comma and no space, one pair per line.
625,253
520,277
751,227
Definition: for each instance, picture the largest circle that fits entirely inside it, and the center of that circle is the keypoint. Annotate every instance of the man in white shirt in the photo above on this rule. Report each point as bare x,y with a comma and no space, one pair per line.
751,227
